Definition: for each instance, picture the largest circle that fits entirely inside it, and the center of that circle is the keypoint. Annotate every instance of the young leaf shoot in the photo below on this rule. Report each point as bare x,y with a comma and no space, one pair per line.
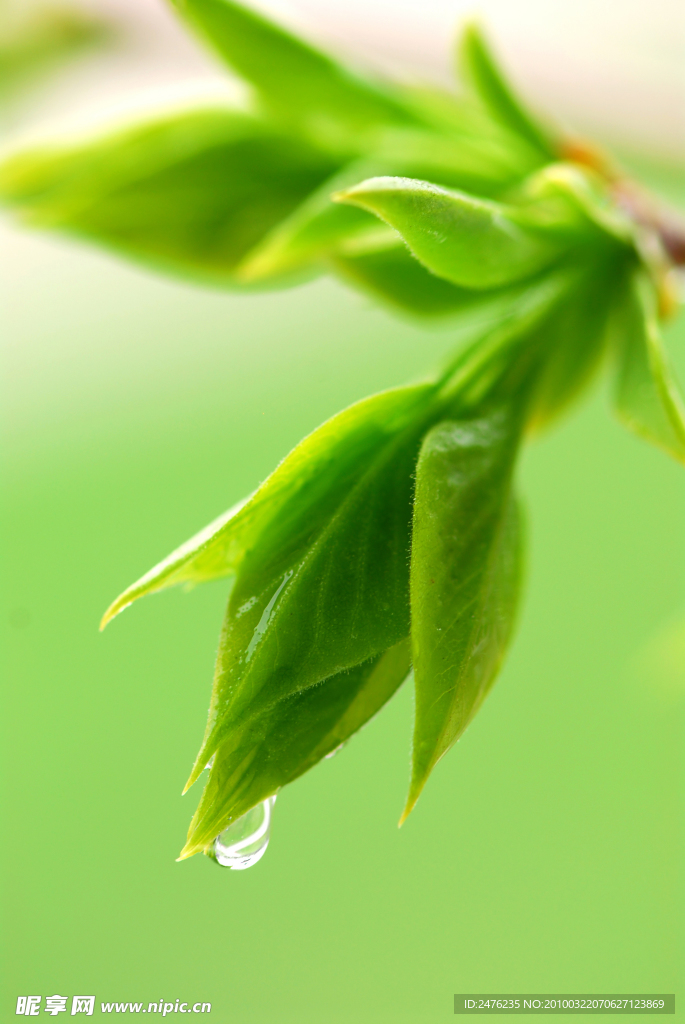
390,539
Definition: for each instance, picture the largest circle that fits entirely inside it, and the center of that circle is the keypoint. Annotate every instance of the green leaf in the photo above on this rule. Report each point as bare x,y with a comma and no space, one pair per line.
308,485
326,586
284,740
574,202
479,69
297,82
314,229
192,190
319,227
481,146
648,399
383,266
320,470
212,553
393,275
481,163
465,576
503,342
471,242
573,341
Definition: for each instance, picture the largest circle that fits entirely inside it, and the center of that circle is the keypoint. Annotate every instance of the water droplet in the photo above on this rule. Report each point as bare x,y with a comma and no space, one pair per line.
335,751
263,624
245,840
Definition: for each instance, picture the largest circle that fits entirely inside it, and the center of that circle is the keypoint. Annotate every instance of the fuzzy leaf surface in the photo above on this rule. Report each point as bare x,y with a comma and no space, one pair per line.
323,466
648,399
326,586
465,576
319,227
284,740
190,190
471,242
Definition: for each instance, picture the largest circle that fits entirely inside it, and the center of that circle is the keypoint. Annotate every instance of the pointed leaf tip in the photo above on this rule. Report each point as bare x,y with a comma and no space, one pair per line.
198,768
479,68
210,554
170,189
465,576
648,397
296,80
474,243
191,849
112,612
405,814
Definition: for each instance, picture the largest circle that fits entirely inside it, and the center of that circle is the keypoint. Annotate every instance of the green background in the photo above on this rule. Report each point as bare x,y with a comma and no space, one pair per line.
543,855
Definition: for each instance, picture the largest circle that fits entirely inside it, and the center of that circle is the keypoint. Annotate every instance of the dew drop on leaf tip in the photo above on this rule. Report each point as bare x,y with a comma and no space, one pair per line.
245,840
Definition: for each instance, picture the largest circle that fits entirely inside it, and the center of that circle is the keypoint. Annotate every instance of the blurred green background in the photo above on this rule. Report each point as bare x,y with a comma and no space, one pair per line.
544,855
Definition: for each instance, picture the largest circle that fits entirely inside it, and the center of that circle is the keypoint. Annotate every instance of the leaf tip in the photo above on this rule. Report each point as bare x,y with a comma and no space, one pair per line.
110,614
117,606
198,768
194,846
471,30
358,195
418,781
415,790
409,806
342,196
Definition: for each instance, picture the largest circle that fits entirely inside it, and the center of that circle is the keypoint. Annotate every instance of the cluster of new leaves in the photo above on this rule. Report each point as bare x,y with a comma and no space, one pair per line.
390,538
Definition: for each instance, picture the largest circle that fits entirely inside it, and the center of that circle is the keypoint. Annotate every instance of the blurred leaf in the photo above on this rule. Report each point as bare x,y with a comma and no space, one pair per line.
293,79
480,70
510,340
571,201
484,163
314,229
574,340
465,577
284,740
46,37
461,117
320,227
326,586
393,275
471,242
647,396
192,190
